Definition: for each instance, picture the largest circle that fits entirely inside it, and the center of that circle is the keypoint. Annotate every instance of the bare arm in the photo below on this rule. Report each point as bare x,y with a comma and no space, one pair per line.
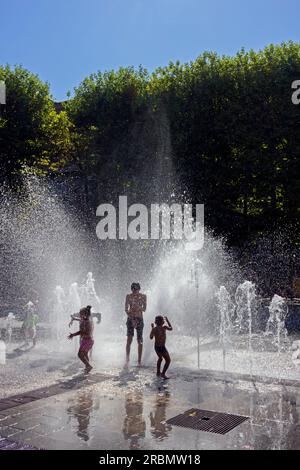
152,332
127,304
168,326
73,318
73,334
144,303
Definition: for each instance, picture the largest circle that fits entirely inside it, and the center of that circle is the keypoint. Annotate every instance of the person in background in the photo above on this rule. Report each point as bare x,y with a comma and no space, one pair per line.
29,326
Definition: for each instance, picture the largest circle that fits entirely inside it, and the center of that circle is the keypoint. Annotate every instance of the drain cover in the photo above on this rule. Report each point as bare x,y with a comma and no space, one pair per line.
209,421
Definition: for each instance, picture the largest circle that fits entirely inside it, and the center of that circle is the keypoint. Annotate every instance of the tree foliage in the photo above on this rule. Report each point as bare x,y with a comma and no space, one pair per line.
31,132
226,122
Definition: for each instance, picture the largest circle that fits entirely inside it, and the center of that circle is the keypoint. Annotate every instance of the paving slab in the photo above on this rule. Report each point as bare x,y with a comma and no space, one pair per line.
131,409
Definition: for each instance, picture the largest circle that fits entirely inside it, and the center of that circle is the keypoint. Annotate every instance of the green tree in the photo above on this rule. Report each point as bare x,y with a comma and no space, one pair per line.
31,132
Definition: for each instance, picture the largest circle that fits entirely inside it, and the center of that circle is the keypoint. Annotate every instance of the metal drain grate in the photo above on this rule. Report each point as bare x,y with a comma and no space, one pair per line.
209,421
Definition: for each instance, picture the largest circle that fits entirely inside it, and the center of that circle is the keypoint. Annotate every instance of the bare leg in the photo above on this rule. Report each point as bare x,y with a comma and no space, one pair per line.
140,352
89,367
159,361
83,357
34,339
167,359
27,337
128,345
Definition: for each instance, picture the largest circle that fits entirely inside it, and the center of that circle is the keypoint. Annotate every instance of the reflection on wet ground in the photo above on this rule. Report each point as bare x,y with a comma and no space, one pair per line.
159,428
130,410
134,425
80,411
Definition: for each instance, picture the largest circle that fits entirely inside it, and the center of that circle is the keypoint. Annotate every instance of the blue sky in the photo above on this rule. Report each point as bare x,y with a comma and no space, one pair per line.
63,41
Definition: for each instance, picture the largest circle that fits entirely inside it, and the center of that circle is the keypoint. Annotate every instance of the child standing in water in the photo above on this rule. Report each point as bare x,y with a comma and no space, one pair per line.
158,332
79,317
86,337
30,323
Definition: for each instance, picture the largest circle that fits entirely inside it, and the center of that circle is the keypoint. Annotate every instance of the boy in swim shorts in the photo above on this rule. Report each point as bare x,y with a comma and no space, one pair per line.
158,332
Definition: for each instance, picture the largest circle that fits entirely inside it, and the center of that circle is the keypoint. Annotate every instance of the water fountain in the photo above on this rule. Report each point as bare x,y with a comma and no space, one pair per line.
196,272
2,353
57,317
192,288
276,323
74,302
245,298
9,326
88,293
226,311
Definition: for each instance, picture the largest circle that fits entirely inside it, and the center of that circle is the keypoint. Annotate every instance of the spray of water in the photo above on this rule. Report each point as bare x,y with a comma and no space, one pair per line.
276,323
49,253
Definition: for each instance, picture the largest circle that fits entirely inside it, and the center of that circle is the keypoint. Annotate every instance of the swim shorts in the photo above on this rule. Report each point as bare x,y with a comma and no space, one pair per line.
160,349
86,345
135,323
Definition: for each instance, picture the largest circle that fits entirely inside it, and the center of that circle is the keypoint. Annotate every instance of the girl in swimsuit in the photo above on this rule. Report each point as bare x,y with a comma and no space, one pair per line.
86,337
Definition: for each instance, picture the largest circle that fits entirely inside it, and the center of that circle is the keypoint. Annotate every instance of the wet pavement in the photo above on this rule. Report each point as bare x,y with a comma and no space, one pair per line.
129,410
30,368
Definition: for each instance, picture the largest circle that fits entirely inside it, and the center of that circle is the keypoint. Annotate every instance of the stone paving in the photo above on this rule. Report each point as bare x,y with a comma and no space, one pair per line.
74,383
130,409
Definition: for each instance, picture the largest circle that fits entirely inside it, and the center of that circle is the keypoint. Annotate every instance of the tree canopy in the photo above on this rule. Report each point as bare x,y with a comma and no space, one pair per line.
226,124
31,132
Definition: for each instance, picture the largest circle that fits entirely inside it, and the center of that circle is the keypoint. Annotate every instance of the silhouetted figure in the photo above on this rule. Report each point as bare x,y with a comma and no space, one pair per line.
86,336
135,306
159,333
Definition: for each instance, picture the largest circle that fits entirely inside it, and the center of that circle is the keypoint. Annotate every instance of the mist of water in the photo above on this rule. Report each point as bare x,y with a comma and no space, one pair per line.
276,323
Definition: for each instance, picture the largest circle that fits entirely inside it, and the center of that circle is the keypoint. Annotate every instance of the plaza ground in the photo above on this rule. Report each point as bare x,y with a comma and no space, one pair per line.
115,408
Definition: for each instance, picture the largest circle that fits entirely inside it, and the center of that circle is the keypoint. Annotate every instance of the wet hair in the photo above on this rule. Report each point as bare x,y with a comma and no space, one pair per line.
85,311
159,320
135,286
88,310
